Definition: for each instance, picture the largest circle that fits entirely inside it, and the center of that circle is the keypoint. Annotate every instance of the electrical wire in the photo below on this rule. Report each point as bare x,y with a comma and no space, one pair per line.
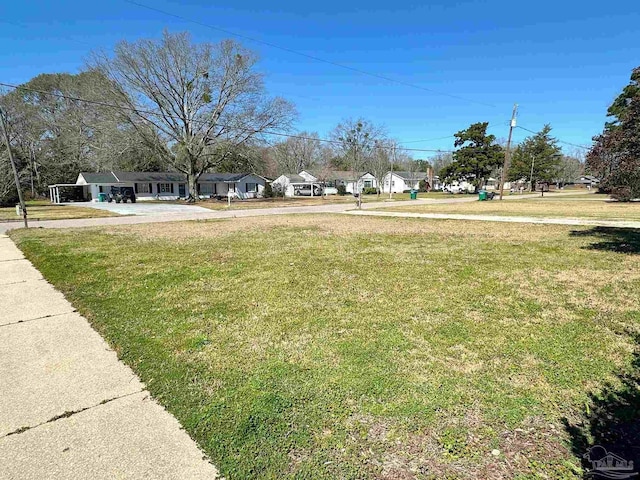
306,55
557,139
148,112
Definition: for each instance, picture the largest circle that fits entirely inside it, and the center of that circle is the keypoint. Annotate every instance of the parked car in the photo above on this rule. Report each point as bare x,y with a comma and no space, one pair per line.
121,195
305,190
453,189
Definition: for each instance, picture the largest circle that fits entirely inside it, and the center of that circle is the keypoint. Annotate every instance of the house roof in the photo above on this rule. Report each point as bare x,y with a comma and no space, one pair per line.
344,175
99,177
118,177
150,176
222,177
295,178
412,175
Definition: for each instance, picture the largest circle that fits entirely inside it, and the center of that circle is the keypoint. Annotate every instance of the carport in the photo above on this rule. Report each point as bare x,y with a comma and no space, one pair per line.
68,192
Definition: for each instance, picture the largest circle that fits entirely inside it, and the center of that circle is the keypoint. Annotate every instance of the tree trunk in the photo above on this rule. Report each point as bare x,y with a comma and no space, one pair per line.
192,180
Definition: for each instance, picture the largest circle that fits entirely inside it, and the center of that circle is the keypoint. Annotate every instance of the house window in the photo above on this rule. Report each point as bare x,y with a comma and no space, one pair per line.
207,188
252,187
143,188
393,183
100,189
368,184
165,187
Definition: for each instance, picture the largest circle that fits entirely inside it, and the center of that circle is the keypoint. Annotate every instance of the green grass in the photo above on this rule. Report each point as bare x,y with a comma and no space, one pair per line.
565,206
333,347
44,210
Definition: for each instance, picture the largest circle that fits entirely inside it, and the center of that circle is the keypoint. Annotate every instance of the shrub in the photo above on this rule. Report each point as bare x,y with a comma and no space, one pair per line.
622,194
423,186
268,191
342,190
369,191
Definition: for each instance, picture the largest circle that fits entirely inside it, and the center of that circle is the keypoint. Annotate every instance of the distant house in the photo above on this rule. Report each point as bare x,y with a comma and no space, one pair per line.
351,181
588,181
294,185
328,181
159,185
398,182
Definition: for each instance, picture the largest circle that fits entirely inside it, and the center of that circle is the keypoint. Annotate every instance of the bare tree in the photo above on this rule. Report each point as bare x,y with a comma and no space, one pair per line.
195,97
297,153
380,162
357,140
441,160
324,168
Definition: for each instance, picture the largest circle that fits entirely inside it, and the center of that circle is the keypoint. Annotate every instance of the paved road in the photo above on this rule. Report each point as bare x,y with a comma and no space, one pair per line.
69,409
499,218
188,212
142,208
204,214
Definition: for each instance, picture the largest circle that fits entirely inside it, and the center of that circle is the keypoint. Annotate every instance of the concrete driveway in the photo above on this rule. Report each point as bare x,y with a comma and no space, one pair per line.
143,208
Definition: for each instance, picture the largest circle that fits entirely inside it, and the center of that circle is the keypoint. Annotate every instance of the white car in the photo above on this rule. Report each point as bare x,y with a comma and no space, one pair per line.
453,189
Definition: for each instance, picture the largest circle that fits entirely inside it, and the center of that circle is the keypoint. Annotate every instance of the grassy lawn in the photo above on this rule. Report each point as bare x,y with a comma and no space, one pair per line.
347,348
308,201
43,210
574,206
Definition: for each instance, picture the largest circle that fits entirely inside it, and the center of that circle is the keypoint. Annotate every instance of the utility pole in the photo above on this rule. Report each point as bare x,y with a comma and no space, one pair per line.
533,162
507,153
13,166
393,160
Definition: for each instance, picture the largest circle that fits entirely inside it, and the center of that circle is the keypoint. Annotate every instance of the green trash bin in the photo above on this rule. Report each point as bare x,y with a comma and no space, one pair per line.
482,195
413,194
102,197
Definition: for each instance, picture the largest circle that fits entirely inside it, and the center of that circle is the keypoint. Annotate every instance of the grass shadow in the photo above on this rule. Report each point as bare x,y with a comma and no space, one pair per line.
612,421
612,239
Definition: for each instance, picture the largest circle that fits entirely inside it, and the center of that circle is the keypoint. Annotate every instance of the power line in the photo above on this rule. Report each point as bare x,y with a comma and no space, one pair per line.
451,136
557,139
429,140
306,55
148,112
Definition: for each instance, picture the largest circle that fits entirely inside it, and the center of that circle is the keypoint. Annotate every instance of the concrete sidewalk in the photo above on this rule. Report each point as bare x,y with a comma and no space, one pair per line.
69,409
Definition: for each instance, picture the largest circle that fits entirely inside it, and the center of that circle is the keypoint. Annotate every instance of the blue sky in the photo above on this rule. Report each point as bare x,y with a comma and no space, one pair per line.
562,62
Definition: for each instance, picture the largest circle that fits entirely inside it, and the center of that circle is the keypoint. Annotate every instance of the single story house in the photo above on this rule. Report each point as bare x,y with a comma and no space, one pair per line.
588,181
398,182
158,185
352,181
294,185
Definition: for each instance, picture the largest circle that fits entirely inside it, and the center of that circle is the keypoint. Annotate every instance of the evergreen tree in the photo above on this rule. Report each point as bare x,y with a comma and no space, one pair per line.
540,151
476,157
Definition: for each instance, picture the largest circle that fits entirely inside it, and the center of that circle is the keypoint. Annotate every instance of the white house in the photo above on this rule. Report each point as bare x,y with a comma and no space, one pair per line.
327,182
158,185
398,182
294,185
352,181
